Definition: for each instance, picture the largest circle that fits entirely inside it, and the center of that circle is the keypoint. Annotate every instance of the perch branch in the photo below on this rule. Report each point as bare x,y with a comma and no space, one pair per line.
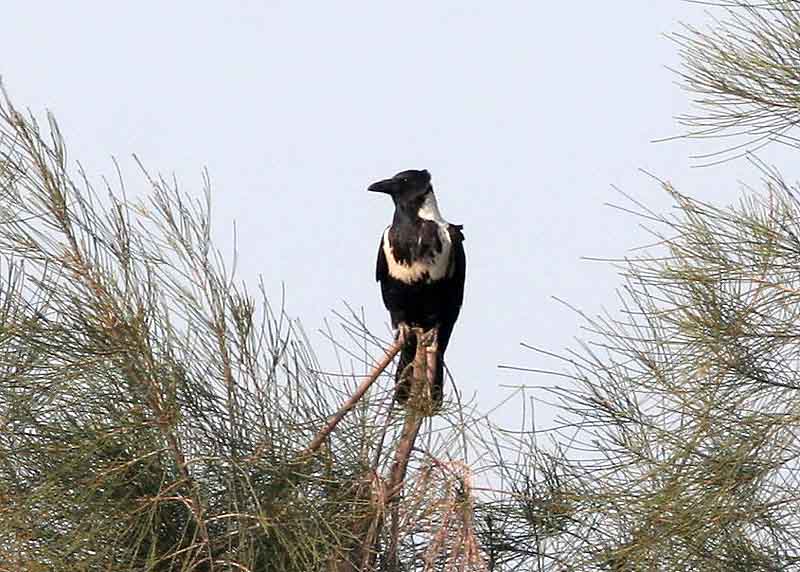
331,424
419,405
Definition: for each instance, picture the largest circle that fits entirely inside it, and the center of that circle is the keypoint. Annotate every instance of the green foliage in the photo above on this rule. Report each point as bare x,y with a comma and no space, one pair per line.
155,416
678,447
684,411
152,416
743,72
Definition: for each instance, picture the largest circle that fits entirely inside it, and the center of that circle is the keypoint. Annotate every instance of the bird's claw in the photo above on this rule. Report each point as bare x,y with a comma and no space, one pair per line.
403,332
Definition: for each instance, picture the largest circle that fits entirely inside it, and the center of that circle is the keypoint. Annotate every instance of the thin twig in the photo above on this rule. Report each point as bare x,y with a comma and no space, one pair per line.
326,430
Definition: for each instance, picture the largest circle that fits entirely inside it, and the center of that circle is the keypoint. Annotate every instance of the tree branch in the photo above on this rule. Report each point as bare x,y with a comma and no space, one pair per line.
331,424
418,407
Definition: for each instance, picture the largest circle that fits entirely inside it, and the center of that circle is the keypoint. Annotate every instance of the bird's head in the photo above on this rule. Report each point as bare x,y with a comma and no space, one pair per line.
405,187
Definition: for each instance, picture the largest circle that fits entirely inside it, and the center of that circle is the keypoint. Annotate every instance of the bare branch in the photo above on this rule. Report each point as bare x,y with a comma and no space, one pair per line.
331,424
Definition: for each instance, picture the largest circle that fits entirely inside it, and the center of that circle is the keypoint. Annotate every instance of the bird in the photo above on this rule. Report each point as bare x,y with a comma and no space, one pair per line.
421,269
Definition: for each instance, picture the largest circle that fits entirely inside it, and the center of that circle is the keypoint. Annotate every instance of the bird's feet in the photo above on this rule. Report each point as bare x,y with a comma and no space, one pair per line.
403,332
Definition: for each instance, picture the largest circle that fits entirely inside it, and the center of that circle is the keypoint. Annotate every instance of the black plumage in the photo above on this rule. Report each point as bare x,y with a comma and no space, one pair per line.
421,268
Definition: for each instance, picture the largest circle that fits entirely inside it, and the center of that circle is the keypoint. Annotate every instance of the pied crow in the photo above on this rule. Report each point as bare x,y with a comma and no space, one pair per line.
421,268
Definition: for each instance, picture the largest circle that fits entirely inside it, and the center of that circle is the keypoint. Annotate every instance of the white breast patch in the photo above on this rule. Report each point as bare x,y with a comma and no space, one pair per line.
435,266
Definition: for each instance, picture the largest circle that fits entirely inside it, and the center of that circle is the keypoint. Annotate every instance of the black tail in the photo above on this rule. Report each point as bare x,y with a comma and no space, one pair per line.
402,387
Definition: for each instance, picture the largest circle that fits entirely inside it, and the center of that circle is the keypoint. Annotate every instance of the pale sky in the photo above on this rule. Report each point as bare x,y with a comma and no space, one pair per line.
526,113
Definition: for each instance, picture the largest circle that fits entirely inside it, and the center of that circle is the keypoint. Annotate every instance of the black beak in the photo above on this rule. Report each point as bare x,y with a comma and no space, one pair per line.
387,186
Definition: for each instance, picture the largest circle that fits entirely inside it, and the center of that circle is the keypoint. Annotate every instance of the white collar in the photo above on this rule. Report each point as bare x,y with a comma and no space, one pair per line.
430,209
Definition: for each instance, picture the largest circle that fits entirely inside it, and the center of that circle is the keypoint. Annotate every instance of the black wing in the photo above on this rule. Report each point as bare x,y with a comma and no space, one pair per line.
455,288
458,268
382,267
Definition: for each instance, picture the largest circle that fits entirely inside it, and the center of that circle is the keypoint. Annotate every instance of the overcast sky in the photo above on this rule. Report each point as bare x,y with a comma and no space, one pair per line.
526,113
